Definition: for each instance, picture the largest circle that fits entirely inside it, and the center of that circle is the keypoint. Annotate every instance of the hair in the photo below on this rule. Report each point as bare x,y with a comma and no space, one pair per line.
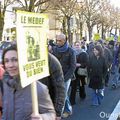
111,43
61,36
12,47
76,42
99,49
51,43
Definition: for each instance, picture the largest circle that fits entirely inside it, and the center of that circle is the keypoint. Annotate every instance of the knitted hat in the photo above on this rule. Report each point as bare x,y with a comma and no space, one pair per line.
100,41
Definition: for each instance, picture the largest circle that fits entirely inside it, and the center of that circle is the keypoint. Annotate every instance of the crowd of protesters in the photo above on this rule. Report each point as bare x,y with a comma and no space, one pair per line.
97,66
94,65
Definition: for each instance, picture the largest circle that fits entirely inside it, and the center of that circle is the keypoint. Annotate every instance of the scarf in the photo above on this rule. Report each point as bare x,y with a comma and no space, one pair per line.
78,51
12,82
63,48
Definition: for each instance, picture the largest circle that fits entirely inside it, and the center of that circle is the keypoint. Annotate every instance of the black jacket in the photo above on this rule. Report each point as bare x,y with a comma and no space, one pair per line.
82,58
97,71
68,62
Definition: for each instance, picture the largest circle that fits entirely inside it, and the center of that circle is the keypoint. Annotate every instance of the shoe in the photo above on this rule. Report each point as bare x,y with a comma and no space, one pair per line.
113,86
66,114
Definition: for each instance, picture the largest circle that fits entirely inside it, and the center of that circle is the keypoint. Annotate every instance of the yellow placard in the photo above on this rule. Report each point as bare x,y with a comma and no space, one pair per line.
118,38
110,38
96,36
32,31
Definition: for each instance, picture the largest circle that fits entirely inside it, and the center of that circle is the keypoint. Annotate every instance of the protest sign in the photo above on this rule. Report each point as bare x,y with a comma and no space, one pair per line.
32,31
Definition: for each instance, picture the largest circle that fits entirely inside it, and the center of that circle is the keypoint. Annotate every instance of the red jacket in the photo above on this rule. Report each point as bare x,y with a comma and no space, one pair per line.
1,72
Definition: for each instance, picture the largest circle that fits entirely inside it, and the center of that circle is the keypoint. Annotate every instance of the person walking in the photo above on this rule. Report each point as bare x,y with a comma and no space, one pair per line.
108,59
55,83
66,56
80,81
97,70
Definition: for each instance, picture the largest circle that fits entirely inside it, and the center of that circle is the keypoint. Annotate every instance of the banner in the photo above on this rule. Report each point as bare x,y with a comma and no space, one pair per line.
96,37
118,38
32,31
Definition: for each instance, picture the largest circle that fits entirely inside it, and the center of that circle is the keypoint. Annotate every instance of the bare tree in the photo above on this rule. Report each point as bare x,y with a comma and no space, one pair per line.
67,9
26,5
34,5
80,11
90,13
116,19
106,18
3,8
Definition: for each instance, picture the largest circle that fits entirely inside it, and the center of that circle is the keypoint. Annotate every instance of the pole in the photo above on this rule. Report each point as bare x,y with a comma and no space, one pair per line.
35,114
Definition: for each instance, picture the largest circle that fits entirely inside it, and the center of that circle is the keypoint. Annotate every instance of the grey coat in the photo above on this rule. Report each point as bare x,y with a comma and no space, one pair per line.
17,101
55,83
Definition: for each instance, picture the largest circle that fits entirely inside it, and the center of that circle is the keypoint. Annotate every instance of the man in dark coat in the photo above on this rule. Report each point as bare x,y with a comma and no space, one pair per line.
66,56
55,83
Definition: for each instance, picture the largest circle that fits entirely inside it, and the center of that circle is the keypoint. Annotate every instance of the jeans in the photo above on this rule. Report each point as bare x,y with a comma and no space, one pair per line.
67,107
97,96
114,76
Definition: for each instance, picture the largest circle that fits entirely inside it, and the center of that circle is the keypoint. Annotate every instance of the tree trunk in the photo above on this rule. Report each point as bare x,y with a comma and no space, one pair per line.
64,26
31,5
1,23
110,30
1,28
69,31
102,31
119,32
104,34
116,30
90,28
98,30
90,34
81,30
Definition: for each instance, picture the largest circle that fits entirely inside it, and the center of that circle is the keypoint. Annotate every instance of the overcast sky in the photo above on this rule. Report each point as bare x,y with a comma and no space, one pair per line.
116,3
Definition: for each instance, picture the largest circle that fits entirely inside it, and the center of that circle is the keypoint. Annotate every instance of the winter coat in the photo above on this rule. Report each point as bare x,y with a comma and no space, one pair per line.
97,71
108,57
1,72
17,101
68,62
82,59
55,83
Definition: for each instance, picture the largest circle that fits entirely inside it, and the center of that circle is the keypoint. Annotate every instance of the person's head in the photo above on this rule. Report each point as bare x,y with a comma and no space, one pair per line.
60,39
111,44
91,47
77,45
10,60
100,42
98,50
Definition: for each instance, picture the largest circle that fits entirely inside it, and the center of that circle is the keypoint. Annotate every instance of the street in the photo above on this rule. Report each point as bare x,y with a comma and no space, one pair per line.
84,111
